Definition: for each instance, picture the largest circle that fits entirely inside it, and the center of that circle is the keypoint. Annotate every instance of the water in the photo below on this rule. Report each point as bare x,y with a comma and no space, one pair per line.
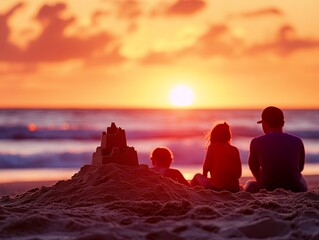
43,141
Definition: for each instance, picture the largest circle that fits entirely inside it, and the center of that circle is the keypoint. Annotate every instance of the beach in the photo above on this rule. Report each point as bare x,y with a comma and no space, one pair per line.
132,202
49,190
224,89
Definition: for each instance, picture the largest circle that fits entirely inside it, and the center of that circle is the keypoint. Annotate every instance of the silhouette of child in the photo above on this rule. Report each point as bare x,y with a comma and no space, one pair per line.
222,161
162,158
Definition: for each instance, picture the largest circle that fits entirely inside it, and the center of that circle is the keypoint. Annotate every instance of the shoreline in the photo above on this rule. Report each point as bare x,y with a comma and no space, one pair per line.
54,174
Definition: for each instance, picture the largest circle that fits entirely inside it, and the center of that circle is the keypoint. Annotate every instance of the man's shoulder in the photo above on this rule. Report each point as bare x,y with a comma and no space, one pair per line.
294,138
272,136
291,136
258,139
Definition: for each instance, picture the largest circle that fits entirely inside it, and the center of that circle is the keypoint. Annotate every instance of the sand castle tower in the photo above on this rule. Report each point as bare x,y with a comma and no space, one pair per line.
113,149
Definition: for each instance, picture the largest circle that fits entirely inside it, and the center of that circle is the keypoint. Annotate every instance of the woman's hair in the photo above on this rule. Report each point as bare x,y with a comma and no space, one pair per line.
220,133
161,157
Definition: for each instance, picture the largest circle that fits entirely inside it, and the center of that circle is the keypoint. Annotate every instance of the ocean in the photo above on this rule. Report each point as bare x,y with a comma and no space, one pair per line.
38,144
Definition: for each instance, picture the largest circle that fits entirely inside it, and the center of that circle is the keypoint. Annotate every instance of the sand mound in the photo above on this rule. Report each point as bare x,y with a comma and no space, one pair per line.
121,202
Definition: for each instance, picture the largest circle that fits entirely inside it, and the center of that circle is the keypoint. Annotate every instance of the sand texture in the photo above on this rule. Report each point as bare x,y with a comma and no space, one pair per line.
122,202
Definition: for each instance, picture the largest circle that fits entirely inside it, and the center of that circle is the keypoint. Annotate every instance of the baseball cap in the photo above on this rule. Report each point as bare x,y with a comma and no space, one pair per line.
273,116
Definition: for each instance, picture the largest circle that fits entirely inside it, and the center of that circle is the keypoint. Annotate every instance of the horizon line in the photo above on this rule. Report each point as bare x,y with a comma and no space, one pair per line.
147,108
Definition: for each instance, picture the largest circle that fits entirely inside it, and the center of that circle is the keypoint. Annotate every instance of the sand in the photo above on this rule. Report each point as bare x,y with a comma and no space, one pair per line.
121,202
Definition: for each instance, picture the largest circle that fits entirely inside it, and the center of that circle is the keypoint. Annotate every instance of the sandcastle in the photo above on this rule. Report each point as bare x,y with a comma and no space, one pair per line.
114,149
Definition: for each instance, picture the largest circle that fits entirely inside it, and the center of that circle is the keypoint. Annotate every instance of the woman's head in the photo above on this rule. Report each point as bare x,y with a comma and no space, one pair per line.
220,133
161,157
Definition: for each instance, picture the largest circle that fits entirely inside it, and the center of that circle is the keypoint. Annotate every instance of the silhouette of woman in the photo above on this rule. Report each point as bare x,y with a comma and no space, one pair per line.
222,161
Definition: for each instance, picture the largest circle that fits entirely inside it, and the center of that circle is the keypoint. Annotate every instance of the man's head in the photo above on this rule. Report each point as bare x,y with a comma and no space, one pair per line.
273,117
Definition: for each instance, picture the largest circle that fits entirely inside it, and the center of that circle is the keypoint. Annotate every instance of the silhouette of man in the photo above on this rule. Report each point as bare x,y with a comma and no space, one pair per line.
276,159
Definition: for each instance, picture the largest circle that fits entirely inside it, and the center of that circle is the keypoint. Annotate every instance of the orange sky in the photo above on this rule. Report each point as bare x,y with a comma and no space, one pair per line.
104,53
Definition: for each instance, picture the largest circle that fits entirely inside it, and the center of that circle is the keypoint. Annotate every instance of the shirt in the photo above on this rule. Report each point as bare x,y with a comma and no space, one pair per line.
276,160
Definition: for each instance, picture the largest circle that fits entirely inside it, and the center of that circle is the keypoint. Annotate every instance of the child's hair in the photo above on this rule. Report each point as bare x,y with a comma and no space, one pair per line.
161,157
220,133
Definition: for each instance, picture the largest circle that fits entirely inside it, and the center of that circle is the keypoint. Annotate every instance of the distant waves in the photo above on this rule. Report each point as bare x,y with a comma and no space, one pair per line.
27,132
56,138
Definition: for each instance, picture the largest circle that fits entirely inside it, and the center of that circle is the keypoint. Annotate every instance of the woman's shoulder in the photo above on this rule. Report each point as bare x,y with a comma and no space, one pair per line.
222,145
233,147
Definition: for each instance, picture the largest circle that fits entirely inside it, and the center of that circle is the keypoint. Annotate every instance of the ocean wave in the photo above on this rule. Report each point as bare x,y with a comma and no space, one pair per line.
24,133
70,160
45,160
76,160
27,132
54,160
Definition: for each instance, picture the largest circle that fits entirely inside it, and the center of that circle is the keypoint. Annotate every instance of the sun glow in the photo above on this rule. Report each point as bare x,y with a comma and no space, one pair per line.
181,96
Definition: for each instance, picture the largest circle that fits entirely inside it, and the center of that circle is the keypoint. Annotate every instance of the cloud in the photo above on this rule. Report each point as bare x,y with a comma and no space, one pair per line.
8,50
285,43
216,41
128,9
180,8
48,12
185,7
52,44
219,41
97,15
264,12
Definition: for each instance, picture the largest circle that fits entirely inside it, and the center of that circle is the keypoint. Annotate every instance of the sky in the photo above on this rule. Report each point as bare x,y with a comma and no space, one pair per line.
132,53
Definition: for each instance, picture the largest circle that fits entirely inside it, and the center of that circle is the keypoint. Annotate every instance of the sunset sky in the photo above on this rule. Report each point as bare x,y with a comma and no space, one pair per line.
118,53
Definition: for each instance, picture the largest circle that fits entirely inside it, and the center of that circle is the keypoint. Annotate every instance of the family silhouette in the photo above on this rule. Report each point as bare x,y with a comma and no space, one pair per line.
276,159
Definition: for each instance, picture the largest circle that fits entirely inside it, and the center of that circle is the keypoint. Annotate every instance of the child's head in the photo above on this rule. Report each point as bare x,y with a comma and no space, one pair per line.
220,133
161,157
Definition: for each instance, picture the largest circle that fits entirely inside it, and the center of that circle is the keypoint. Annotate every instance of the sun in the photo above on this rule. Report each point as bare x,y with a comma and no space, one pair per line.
181,96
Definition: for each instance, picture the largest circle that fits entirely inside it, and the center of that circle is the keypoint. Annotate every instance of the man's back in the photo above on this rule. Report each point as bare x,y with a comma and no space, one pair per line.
277,160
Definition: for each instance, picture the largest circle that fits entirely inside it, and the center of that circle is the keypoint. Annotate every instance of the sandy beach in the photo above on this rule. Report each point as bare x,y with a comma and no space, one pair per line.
122,202
90,89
